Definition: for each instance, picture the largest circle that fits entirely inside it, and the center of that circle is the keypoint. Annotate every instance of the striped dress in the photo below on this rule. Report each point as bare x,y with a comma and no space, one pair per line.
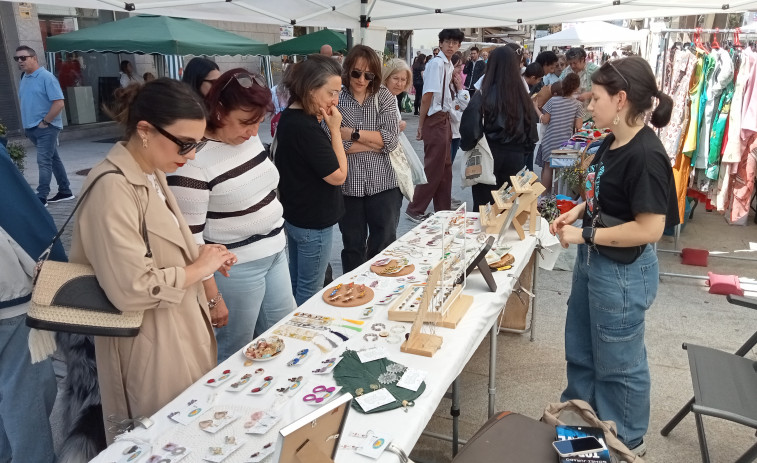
227,196
563,112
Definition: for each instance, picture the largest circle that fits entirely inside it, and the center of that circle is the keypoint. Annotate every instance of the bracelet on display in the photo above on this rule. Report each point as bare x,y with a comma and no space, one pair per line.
371,337
215,300
378,327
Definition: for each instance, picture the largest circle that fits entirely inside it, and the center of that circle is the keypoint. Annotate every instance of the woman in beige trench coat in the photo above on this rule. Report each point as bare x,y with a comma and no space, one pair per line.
164,124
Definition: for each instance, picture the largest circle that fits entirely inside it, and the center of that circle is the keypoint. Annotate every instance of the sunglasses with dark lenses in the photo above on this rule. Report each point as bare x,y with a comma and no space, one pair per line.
21,58
246,80
369,76
184,146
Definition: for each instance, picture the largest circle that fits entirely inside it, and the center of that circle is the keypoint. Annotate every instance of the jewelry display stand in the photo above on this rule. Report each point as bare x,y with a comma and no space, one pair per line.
528,189
379,270
418,343
341,295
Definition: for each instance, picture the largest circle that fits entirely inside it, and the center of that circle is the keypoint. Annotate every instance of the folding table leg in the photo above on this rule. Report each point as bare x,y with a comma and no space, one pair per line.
749,456
455,412
677,418
493,367
702,439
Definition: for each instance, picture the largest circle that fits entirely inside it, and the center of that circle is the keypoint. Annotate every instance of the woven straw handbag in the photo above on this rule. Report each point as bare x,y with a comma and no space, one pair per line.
67,297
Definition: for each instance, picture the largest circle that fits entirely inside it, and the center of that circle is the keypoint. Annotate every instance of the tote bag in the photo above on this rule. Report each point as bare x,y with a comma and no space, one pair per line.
478,165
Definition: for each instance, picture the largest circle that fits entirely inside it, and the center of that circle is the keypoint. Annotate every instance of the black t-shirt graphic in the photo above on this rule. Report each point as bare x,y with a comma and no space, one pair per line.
634,179
304,156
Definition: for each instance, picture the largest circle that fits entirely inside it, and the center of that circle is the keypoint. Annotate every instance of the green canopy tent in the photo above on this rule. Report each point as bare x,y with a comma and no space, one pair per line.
310,43
148,34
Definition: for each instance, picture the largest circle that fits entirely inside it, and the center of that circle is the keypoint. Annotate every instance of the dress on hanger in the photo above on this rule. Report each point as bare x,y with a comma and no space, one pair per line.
695,92
673,134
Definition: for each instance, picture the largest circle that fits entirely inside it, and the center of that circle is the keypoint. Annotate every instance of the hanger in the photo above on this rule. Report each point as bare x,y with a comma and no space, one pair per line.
715,43
698,40
737,42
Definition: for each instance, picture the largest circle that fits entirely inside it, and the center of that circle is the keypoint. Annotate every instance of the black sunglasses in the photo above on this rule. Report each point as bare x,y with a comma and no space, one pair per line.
246,80
356,73
21,58
184,146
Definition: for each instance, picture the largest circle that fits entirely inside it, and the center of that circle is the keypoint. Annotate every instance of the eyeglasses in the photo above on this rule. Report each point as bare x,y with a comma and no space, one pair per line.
628,86
356,73
21,58
246,80
184,146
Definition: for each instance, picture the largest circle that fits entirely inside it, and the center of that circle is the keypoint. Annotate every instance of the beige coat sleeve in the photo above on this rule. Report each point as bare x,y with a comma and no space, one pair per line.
110,232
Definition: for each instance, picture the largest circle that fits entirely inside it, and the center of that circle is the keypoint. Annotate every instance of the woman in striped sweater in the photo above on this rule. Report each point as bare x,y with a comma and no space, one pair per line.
227,195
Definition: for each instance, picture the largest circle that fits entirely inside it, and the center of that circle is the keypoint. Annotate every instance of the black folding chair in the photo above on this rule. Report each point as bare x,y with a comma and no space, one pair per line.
725,386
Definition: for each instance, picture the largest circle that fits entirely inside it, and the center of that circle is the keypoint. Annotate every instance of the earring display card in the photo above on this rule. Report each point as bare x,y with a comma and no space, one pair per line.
302,355
217,421
133,453
263,386
261,422
223,450
327,366
189,413
219,379
241,382
375,399
374,445
372,353
261,453
170,453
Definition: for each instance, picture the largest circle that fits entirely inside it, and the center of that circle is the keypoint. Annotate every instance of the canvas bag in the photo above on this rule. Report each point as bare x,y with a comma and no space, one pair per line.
478,165
580,413
401,166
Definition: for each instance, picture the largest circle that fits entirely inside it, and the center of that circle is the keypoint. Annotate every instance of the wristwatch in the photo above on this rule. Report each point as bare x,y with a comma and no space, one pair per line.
355,135
588,235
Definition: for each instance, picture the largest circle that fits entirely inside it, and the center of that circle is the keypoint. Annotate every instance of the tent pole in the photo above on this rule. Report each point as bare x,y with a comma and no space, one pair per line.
363,20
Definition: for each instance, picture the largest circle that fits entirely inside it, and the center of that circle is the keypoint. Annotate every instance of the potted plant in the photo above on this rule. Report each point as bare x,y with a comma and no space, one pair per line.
17,153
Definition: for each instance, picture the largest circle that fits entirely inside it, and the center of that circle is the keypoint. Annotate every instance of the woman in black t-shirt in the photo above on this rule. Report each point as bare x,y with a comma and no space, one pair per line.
312,166
629,182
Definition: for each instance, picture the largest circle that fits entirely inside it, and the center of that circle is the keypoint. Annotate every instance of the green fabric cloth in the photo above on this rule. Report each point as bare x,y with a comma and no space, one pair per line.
351,374
148,34
310,43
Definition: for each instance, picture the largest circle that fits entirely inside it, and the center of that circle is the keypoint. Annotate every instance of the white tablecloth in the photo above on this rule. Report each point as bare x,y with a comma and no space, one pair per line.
405,427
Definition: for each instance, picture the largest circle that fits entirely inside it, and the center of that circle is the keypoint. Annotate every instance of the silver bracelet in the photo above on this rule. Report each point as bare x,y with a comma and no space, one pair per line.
215,300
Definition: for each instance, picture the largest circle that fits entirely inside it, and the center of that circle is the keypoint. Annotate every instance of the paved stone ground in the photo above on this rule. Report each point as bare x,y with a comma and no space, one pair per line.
531,374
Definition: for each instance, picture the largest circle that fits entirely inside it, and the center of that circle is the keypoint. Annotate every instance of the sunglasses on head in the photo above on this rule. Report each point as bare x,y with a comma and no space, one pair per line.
21,58
369,76
246,80
184,146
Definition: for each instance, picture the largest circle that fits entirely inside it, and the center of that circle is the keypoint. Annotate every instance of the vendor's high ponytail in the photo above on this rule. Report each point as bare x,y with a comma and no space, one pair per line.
634,76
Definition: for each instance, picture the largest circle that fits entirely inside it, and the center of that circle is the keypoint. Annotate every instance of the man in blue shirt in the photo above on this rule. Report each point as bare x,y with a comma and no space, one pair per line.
41,104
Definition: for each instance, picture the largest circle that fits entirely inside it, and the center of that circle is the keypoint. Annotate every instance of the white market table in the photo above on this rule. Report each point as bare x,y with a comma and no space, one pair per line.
442,369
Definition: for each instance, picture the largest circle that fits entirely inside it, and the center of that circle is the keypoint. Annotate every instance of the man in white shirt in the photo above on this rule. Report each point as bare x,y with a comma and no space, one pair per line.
435,130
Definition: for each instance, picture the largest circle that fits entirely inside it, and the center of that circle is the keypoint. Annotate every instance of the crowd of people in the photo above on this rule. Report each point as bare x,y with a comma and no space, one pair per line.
241,234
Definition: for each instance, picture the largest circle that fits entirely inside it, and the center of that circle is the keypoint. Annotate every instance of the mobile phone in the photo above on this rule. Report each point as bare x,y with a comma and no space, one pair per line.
578,446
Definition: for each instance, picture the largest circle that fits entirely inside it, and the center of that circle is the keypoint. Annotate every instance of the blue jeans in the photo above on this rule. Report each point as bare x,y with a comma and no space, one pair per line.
309,254
258,294
48,160
27,394
604,339
453,148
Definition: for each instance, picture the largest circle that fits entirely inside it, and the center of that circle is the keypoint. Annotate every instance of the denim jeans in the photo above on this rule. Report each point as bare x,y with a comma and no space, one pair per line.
309,254
27,394
368,226
48,160
258,294
604,339
453,148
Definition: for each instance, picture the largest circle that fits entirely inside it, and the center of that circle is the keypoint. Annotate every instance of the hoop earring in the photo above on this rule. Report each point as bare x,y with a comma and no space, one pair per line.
616,121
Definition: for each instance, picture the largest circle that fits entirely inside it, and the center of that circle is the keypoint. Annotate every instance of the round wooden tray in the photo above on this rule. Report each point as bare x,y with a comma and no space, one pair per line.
405,271
342,291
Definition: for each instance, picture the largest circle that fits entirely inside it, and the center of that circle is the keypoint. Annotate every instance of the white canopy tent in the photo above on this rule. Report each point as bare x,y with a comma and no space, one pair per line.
413,14
589,34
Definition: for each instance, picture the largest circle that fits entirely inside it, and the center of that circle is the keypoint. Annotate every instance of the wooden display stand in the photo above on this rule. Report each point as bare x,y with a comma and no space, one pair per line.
418,343
454,309
516,308
527,193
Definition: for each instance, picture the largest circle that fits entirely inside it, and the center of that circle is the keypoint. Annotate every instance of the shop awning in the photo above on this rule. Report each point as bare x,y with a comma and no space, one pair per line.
310,43
150,34
590,34
416,14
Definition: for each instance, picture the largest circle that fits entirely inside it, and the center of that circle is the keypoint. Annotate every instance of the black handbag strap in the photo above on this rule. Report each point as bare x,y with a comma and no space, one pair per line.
84,194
